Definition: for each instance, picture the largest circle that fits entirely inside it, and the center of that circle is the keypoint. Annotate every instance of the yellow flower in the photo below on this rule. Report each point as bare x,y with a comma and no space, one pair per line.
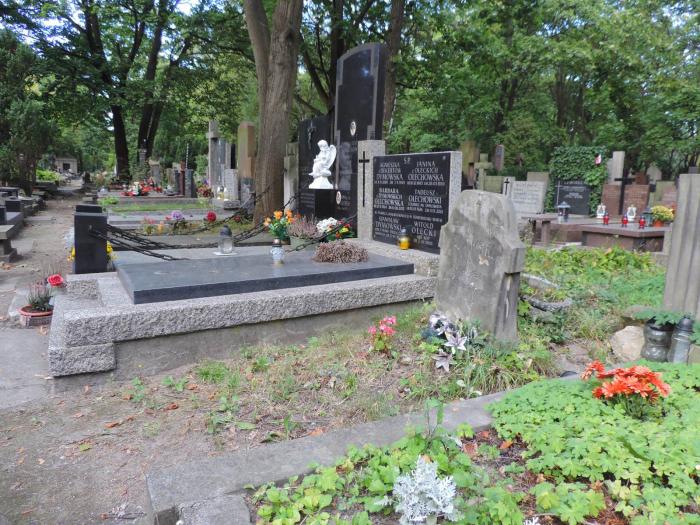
278,215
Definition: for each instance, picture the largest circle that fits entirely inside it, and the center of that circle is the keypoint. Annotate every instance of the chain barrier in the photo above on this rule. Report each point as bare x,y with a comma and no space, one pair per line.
118,243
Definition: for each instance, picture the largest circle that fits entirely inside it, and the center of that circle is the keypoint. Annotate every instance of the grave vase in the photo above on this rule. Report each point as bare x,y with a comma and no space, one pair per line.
277,252
657,339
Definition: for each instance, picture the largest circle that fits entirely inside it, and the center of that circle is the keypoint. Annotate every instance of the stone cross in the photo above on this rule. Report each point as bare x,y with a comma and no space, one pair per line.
624,181
481,257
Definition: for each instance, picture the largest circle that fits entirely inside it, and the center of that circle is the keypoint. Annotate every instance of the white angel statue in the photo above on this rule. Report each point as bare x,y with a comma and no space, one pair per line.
321,170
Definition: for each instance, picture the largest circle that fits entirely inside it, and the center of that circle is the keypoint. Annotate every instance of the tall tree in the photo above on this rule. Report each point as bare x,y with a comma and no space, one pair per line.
275,49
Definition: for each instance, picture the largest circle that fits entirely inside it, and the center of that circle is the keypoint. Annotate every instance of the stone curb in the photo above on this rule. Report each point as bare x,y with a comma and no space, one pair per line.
190,485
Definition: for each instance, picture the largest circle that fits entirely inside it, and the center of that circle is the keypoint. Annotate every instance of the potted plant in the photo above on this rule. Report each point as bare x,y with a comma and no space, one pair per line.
661,215
39,310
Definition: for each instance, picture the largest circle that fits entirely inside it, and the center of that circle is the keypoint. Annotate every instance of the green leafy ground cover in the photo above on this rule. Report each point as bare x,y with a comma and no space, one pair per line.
650,468
565,457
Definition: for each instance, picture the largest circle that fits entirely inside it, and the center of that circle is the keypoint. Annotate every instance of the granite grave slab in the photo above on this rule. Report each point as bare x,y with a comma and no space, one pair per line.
189,279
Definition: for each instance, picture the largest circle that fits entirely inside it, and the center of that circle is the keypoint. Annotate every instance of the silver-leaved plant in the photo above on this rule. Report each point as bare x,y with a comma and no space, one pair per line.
423,497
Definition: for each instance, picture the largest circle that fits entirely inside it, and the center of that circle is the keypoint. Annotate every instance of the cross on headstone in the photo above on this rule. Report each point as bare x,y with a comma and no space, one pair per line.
624,180
309,134
364,160
506,182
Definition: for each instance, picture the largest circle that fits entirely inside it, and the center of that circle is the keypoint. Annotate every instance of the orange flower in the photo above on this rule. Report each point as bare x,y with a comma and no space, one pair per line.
288,213
595,366
278,215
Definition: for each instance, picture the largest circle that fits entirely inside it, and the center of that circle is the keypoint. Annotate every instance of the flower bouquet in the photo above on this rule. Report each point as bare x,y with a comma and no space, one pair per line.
278,223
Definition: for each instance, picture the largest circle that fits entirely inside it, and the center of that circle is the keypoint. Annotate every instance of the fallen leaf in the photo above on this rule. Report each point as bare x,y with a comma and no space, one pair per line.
84,447
40,461
43,330
27,512
192,386
86,389
21,460
171,406
316,432
113,424
127,396
104,516
485,434
78,415
470,449
21,450
506,444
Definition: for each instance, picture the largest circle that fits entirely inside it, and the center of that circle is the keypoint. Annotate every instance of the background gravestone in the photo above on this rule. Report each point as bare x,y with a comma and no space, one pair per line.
213,164
359,116
90,251
415,191
576,194
291,175
499,157
528,196
313,203
481,257
246,149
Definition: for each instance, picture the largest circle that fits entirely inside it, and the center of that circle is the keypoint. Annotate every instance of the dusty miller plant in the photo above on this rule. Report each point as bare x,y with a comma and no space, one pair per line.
423,497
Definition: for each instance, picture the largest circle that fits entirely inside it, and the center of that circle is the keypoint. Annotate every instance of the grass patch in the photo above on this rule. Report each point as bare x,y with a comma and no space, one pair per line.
159,206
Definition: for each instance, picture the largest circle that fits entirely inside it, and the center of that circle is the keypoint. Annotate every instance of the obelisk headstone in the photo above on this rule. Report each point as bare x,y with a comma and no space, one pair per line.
481,257
213,164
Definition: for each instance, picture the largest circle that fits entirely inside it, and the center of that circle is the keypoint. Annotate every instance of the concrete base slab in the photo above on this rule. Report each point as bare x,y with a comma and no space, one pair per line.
95,325
224,510
192,483
10,256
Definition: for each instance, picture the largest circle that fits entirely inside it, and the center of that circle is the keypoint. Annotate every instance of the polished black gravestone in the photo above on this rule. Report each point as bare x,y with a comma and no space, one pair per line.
576,194
190,279
359,115
314,203
90,250
411,191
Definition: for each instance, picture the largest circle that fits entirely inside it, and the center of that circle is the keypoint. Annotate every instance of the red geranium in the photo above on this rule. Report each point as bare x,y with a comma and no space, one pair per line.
55,280
211,217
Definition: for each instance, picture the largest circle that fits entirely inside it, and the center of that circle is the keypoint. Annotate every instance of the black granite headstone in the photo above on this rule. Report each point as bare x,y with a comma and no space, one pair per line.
90,251
576,194
313,203
359,116
10,190
14,204
190,186
411,191
89,208
3,215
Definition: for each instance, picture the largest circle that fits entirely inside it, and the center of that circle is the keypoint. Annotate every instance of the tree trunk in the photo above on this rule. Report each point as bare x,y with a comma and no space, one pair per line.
276,66
121,146
394,44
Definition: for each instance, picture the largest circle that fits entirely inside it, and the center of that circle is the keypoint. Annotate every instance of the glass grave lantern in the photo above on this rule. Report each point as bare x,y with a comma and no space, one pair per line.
647,215
403,240
625,221
563,212
225,241
606,219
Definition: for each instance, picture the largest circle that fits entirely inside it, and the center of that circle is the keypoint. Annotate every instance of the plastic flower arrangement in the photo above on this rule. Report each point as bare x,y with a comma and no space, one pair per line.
210,217
636,388
334,229
205,192
662,213
277,224
110,252
382,334
177,216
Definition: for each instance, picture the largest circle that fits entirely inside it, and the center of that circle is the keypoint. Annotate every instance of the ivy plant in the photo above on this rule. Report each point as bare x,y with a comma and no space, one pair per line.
578,163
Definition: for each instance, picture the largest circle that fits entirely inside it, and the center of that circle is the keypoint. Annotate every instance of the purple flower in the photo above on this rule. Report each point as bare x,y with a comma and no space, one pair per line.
177,216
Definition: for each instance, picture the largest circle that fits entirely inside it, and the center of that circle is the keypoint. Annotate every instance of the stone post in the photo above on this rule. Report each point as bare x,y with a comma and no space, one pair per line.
291,175
90,251
616,167
366,151
682,293
246,148
213,163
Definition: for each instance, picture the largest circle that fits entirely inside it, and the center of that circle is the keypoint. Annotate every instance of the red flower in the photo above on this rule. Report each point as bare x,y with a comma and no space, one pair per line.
55,280
211,217
595,366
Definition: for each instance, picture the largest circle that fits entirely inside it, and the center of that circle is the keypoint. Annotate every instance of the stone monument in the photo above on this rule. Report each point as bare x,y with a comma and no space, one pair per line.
246,159
682,293
313,203
528,196
213,164
481,257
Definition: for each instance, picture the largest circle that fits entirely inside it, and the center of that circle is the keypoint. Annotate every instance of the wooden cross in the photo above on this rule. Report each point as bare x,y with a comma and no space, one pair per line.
624,180
364,161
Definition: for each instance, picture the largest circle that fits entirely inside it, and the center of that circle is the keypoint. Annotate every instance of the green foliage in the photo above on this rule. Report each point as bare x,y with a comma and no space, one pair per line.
46,175
602,284
360,485
39,297
649,466
176,384
577,163
570,502
110,200
212,372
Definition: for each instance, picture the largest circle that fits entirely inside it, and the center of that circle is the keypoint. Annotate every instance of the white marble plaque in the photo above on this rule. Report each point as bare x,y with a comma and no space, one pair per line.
528,196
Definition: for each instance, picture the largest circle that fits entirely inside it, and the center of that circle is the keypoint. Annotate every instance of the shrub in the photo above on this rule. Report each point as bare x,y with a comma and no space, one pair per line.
578,163
340,252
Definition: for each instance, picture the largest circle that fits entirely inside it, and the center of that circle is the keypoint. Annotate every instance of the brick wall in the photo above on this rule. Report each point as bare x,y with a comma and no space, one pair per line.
611,198
637,194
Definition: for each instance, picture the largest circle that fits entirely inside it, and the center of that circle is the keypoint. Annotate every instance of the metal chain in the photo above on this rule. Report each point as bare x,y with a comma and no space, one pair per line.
115,242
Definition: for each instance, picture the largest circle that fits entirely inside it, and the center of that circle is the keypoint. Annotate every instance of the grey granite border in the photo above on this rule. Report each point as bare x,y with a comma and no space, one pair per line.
215,483
85,329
